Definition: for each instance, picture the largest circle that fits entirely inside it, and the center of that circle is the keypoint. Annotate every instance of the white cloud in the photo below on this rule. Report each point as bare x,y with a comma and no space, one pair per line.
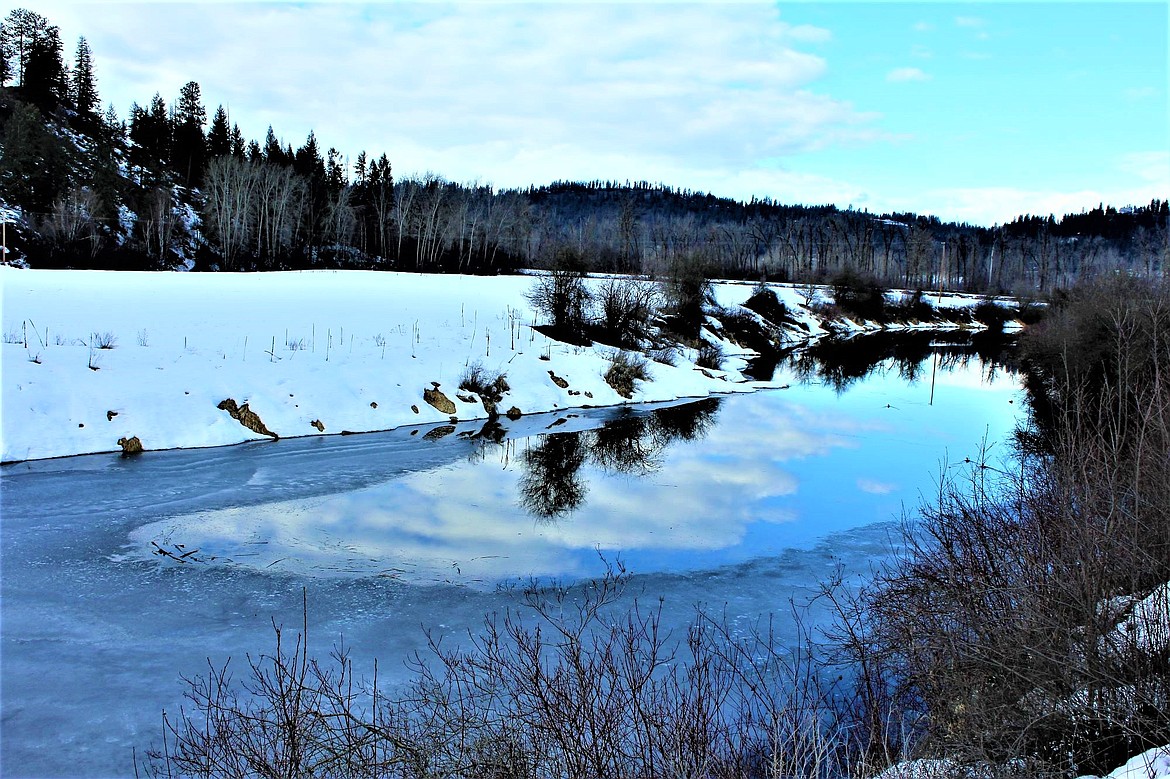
999,205
969,21
476,90
900,75
874,487
923,27
1148,166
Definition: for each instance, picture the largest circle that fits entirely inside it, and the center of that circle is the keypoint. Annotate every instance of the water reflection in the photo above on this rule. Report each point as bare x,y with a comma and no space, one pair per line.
630,443
911,355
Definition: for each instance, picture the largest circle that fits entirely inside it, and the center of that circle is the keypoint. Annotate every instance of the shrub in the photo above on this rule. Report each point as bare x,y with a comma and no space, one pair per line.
626,368
573,682
627,307
741,326
859,295
765,303
666,356
1030,312
688,285
710,356
489,384
1007,627
912,307
103,340
991,314
562,297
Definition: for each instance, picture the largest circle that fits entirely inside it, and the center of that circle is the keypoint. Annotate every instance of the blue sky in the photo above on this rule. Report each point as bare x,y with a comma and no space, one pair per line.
975,112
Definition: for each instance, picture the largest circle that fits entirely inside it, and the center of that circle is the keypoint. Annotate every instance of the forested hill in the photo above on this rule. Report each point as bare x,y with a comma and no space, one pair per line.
169,187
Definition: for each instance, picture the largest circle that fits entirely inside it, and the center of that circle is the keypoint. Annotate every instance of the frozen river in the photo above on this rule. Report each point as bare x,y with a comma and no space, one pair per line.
119,575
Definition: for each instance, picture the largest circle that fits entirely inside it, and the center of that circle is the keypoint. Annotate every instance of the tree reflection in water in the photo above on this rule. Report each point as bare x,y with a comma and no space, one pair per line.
632,443
841,362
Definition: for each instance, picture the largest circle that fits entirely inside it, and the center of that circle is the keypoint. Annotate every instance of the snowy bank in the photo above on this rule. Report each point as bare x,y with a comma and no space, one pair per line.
93,360
309,353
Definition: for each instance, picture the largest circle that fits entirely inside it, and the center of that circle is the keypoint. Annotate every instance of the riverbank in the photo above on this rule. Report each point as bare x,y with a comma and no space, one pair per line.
100,361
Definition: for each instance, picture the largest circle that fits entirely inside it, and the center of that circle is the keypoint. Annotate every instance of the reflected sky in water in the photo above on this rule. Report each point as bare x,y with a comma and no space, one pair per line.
669,490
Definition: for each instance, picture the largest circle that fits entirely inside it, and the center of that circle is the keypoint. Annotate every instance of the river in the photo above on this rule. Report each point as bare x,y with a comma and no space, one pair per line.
120,575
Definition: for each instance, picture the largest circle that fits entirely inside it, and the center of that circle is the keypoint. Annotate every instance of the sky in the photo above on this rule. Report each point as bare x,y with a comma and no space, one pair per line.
970,112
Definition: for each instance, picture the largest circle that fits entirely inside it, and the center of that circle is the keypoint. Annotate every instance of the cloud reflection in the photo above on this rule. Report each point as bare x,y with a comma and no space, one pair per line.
672,489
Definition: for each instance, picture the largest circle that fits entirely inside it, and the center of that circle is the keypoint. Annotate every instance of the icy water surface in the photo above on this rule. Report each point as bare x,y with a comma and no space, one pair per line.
118,575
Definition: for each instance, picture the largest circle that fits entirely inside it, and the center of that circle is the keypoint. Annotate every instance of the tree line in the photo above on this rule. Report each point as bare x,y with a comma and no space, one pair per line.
168,187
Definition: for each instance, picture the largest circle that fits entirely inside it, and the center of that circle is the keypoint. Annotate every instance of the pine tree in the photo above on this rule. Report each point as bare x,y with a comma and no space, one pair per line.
19,32
5,67
114,128
239,145
43,80
219,138
189,149
273,152
83,88
34,166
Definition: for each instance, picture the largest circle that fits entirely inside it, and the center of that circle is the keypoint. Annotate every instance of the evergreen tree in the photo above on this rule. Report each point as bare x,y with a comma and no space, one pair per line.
334,170
43,81
239,145
5,67
219,136
189,149
34,164
114,128
273,152
18,34
308,161
150,137
83,88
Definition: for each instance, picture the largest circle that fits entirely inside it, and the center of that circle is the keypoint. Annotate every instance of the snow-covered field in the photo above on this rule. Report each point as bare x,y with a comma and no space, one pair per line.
351,350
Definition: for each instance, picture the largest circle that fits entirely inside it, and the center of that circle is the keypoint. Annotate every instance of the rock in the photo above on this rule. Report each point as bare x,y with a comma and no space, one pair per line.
317,423
514,413
557,380
440,401
439,432
246,417
414,408
130,446
110,415
373,404
574,392
466,398
588,394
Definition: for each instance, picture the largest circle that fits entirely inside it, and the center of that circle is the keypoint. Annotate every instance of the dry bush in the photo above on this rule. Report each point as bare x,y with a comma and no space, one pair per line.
627,308
625,370
710,356
1000,633
577,682
486,383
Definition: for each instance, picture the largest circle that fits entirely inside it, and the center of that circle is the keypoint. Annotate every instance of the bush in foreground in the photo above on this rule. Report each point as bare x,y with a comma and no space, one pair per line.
577,683
1026,623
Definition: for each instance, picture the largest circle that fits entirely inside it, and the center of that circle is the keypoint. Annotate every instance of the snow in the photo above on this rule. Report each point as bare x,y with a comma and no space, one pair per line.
1151,764
1147,625
351,349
